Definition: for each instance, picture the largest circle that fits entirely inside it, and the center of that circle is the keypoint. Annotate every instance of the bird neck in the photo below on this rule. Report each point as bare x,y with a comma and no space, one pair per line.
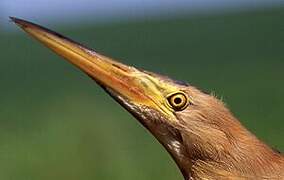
236,155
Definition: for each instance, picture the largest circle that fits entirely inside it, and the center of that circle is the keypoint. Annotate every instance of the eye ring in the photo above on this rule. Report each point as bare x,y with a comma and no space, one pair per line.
178,101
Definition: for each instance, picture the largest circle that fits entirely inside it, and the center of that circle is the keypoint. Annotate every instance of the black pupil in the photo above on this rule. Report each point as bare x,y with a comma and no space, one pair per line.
177,100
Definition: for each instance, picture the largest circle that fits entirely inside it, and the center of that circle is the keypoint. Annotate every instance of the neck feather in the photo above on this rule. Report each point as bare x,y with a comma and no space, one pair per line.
232,152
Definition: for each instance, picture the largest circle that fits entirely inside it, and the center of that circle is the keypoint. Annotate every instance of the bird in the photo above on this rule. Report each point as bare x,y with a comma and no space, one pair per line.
200,133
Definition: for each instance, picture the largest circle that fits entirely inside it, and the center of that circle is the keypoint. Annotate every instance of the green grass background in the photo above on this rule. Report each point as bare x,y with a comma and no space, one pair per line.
56,123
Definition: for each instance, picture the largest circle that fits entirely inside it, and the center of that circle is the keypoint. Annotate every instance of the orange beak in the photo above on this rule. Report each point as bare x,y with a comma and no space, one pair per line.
140,88
143,94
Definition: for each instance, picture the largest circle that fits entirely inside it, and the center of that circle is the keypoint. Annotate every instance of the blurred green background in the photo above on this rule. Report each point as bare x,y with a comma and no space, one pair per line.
56,123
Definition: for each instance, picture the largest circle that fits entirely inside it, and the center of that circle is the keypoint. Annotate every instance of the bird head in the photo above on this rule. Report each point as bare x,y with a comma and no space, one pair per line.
189,123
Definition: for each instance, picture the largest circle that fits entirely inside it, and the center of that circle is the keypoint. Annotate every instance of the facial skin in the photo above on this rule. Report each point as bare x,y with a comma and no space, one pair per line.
203,137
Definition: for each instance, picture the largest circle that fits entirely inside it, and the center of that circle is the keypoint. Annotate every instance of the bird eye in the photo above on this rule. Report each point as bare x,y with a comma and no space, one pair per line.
178,101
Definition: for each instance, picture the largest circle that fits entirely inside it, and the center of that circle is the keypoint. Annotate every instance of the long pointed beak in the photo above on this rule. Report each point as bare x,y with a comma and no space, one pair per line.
127,81
142,94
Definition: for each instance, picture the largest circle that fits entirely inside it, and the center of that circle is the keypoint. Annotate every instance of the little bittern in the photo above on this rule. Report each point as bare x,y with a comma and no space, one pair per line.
203,137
